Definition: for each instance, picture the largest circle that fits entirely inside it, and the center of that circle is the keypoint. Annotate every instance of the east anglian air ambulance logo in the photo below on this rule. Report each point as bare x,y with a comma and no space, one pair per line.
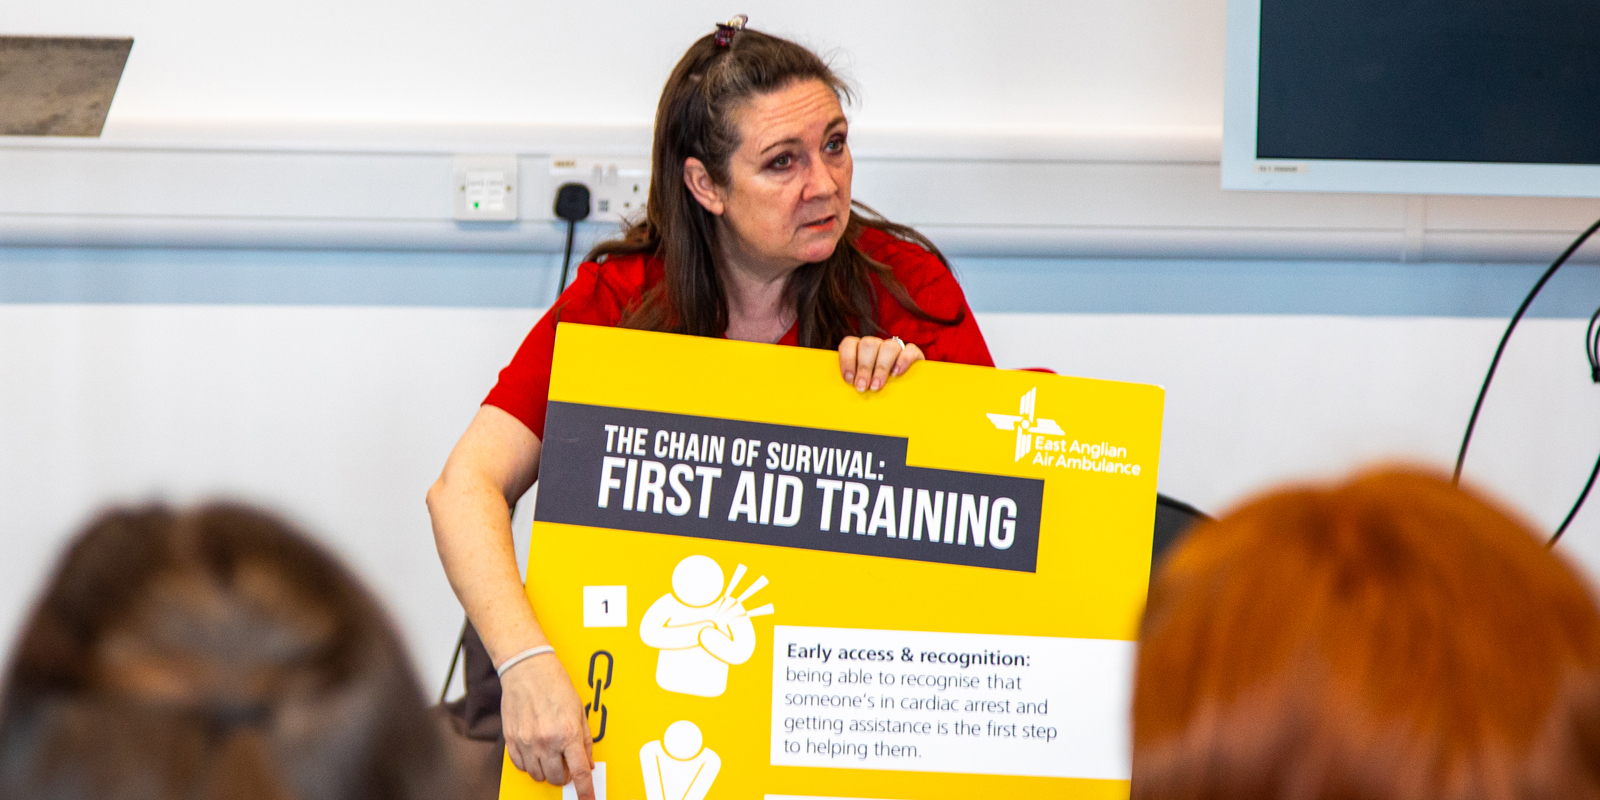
1026,424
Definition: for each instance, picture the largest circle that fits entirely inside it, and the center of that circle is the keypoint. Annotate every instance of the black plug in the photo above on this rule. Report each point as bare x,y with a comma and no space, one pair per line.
572,204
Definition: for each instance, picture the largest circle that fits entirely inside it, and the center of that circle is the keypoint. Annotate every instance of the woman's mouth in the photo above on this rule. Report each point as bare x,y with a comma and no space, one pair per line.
824,224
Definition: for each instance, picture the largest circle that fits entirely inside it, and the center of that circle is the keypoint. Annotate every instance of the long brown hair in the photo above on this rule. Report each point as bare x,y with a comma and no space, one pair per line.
212,654
1392,638
833,298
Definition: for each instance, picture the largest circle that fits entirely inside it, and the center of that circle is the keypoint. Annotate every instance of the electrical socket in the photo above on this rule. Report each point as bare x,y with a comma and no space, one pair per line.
618,185
484,188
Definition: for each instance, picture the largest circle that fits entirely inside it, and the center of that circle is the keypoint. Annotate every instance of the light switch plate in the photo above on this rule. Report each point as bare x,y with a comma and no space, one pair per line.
485,188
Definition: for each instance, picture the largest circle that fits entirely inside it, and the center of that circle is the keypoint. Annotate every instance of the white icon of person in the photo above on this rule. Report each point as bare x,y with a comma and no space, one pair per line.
677,767
701,628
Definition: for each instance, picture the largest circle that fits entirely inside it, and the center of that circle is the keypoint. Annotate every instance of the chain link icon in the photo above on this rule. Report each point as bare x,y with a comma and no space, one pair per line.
598,686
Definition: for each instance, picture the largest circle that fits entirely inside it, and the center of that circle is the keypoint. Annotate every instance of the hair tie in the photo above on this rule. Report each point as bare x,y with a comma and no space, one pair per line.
725,30
523,656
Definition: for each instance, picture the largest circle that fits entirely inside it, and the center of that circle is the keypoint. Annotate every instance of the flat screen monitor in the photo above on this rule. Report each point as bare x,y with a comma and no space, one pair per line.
1487,97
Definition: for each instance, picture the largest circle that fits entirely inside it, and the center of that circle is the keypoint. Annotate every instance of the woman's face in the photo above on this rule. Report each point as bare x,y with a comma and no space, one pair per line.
787,197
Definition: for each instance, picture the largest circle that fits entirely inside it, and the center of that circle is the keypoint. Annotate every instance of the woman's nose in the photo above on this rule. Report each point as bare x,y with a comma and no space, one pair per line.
820,181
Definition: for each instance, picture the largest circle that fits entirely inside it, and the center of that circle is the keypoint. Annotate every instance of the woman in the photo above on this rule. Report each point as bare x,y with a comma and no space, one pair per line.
212,654
1389,639
751,234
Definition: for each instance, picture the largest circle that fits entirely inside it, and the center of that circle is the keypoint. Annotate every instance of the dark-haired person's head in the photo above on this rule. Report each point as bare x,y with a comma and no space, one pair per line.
751,163
208,654
1389,638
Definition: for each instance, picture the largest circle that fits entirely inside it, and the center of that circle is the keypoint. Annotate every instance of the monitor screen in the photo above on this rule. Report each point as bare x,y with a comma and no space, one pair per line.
1421,96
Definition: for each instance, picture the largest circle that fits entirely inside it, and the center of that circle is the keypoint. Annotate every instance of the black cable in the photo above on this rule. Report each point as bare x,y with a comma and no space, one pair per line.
1477,407
1591,346
1591,349
572,204
1575,506
566,260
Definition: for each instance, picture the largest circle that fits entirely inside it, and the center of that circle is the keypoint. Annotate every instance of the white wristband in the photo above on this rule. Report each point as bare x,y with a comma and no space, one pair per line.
523,656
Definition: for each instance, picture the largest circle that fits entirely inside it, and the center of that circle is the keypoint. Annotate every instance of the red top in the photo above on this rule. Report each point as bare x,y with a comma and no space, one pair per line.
601,293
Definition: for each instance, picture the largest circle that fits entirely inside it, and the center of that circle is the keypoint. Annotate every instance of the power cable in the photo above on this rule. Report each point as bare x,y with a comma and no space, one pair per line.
572,205
1590,348
1582,496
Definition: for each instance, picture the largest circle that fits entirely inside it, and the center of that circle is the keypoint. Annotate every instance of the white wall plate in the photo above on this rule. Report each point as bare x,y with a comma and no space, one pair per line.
484,188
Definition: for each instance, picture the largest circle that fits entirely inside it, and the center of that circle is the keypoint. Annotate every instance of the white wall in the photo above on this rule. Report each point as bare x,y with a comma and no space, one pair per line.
338,417
920,63
1056,129
342,416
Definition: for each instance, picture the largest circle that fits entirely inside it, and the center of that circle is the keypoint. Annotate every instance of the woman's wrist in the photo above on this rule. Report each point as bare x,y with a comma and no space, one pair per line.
502,615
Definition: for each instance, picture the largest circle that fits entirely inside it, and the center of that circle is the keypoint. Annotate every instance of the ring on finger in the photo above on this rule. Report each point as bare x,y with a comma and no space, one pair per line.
897,340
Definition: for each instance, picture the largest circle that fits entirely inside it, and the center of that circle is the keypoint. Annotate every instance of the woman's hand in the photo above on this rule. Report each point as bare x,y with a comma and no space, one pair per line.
547,735
869,362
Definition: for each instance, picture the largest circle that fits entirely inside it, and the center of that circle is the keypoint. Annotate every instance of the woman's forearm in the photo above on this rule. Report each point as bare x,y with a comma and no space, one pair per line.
472,529
470,504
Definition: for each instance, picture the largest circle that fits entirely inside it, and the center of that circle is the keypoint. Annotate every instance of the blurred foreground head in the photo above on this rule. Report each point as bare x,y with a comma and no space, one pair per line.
210,654
1390,638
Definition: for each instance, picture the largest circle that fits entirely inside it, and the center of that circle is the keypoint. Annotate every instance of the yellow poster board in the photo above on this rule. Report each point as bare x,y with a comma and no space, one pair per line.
768,585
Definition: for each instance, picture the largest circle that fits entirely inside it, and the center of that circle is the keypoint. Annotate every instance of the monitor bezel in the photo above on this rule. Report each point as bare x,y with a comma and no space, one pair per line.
1243,171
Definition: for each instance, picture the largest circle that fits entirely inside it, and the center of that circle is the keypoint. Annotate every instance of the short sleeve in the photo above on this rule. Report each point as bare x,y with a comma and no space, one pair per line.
594,298
935,290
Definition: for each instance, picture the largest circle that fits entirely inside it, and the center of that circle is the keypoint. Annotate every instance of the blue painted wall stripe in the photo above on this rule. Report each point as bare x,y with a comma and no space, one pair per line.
491,280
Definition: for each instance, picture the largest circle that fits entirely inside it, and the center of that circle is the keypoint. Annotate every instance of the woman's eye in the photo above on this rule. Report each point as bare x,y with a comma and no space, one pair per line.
782,162
835,145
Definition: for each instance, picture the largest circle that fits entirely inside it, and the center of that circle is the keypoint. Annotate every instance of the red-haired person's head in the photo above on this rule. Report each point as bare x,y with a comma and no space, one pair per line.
1390,638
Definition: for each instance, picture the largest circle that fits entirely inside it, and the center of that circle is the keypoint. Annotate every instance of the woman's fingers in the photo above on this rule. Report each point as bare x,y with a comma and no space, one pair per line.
867,362
580,765
847,358
555,769
514,752
888,352
524,758
910,355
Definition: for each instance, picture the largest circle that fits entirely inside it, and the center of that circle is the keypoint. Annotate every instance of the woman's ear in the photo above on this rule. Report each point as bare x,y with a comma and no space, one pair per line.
701,186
